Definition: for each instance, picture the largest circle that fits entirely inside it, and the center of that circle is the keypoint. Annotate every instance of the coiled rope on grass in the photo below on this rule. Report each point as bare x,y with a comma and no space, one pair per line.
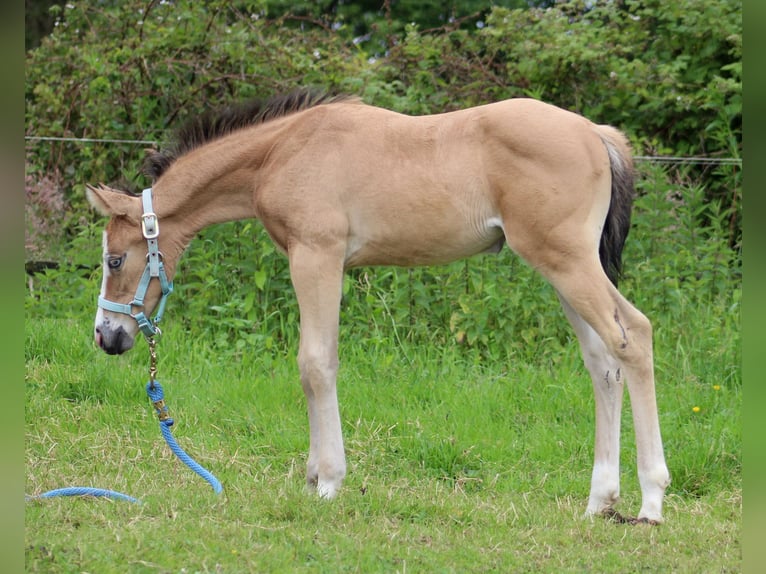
157,396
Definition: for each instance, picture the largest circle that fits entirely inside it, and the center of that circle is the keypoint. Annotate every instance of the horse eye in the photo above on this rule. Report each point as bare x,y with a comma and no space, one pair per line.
114,263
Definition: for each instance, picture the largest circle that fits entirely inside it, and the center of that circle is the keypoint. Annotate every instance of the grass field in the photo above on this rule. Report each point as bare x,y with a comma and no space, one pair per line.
454,465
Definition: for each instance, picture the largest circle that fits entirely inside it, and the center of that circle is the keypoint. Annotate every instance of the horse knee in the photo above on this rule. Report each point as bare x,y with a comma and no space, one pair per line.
318,370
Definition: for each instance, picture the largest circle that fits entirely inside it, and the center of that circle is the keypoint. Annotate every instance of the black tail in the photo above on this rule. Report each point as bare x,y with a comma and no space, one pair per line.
617,222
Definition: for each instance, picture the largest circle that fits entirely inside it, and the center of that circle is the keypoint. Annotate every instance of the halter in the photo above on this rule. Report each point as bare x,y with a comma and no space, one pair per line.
154,268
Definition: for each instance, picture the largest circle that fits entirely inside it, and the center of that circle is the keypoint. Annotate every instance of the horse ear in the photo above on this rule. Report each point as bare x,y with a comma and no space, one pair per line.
111,202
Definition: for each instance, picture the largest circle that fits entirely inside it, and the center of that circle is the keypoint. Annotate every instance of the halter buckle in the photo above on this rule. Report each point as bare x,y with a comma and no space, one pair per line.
150,227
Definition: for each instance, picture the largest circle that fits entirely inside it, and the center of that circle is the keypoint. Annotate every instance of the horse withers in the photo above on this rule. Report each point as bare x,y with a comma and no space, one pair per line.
340,184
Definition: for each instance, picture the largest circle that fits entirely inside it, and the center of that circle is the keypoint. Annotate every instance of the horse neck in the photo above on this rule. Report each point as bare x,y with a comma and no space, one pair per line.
214,183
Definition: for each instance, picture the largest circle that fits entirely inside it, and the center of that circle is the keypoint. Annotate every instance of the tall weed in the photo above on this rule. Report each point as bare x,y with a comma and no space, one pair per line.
679,266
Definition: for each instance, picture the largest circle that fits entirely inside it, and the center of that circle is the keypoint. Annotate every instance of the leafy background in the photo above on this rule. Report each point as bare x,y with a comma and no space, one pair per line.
668,74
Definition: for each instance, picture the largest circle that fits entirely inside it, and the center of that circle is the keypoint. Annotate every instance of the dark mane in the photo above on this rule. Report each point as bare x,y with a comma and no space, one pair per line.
214,124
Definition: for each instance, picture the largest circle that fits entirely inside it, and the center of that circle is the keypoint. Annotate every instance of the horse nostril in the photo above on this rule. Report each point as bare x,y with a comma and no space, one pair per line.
113,341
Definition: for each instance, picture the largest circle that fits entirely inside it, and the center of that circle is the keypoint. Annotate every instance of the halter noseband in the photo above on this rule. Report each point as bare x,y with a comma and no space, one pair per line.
154,268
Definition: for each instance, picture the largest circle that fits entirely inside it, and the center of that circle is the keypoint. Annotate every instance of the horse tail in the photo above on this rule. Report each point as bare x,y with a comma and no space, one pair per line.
617,222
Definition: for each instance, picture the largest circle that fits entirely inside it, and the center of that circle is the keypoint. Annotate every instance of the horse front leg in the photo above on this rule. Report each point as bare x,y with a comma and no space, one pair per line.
317,277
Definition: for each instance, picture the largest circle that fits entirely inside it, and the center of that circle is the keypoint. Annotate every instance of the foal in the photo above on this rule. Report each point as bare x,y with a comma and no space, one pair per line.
340,184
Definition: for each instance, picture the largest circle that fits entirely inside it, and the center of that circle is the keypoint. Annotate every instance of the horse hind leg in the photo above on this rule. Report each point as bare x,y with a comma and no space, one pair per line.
608,389
627,336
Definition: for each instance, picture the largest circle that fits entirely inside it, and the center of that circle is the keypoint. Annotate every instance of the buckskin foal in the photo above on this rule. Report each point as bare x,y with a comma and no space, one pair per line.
340,184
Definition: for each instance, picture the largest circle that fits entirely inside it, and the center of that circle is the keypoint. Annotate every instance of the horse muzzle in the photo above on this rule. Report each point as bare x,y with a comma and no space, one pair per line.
113,341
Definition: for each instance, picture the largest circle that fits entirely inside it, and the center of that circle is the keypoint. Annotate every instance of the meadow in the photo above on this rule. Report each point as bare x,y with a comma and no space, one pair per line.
469,441
453,467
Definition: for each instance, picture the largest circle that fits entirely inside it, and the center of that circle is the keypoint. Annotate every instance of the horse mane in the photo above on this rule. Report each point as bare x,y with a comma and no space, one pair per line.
215,124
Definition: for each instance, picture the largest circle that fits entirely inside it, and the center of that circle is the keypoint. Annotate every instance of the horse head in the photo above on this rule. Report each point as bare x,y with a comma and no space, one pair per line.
135,282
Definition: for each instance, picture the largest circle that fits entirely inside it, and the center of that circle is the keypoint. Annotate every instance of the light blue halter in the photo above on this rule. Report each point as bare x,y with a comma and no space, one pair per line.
154,268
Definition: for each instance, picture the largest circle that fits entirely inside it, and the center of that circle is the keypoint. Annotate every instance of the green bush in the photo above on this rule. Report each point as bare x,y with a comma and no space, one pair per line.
667,74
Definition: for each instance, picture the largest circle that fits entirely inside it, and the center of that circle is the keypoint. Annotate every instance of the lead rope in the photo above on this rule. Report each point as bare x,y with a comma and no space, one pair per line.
157,396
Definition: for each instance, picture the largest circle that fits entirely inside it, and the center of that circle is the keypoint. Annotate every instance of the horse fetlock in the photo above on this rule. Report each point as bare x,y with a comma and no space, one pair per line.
653,487
604,489
654,482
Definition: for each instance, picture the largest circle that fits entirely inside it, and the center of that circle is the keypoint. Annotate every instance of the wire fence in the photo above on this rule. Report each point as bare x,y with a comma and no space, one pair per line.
697,160
88,140
664,159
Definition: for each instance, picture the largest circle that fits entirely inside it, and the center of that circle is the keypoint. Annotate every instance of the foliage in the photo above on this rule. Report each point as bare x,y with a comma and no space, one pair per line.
668,74
38,21
130,70
376,26
43,230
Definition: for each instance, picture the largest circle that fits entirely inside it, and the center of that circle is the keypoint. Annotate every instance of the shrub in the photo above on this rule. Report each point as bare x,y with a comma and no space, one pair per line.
668,74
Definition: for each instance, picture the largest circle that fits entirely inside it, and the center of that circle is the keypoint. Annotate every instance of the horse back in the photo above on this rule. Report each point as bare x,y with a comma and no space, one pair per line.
412,190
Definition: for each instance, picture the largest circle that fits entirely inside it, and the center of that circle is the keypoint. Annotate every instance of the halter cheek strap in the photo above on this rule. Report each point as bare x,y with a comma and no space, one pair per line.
154,268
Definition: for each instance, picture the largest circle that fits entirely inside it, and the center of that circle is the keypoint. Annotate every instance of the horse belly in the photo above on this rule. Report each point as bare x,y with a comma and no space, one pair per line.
415,239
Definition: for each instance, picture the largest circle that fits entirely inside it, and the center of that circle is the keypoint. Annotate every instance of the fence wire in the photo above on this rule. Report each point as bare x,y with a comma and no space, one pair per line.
665,159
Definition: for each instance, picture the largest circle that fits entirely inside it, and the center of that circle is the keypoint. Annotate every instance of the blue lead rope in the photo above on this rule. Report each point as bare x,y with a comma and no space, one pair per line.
85,491
157,396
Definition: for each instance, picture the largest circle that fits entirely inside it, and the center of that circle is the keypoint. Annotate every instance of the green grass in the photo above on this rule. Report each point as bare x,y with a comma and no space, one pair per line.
454,465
